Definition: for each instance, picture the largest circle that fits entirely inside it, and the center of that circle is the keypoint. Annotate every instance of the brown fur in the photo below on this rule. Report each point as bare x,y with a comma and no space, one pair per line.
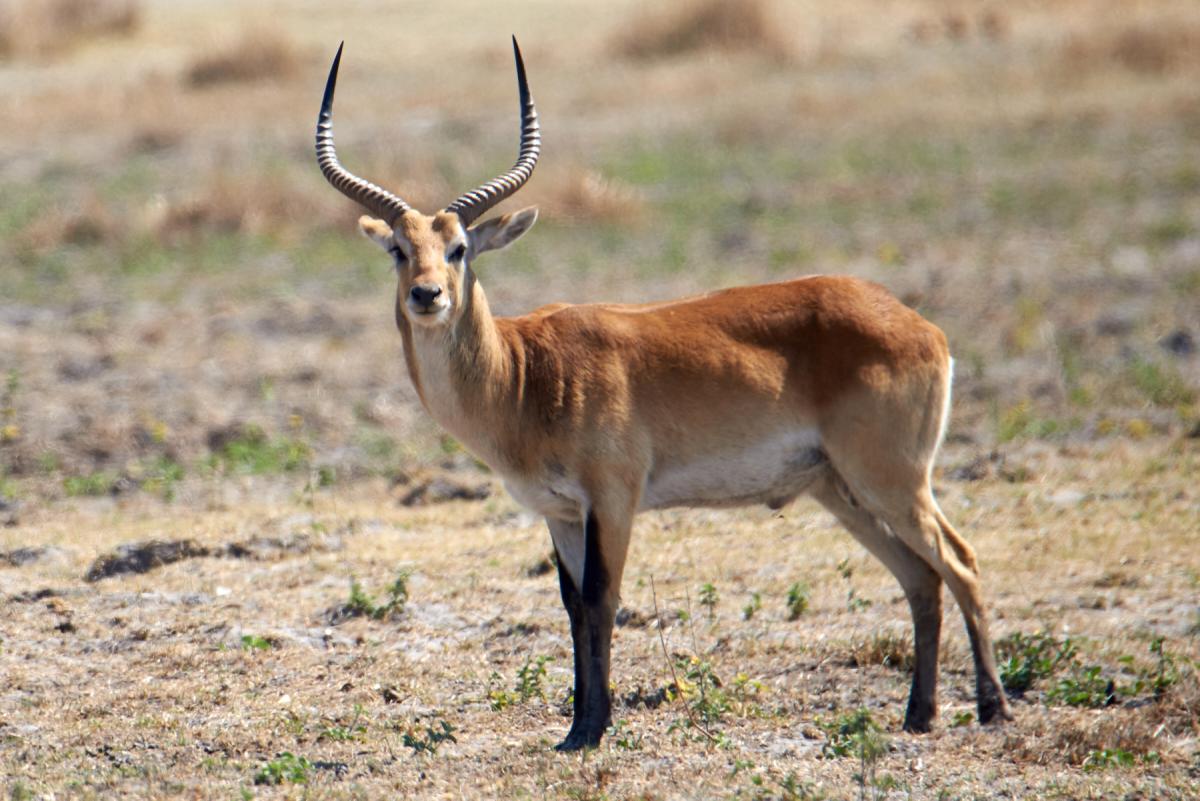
582,408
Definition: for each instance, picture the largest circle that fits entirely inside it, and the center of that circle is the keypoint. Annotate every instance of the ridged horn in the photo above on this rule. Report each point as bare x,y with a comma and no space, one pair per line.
374,198
468,207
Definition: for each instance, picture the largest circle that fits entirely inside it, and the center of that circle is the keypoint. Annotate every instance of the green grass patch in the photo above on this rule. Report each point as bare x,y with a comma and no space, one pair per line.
94,484
252,452
361,604
1026,659
1160,383
287,768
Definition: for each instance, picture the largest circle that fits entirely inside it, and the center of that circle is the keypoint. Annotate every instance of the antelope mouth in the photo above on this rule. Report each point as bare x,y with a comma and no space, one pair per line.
428,314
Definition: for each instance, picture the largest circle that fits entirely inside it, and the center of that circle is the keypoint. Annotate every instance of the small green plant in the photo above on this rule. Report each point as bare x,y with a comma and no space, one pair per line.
703,691
1086,686
708,599
1026,658
856,734
20,792
161,474
1166,671
840,732
287,768
354,730
1162,385
856,604
431,739
254,642
360,604
252,452
619,736
797,600
9,430
295,723
1021,421
853,602
963,718
530,677
8,487
1104,758
498,698
749,610
792,789
95,484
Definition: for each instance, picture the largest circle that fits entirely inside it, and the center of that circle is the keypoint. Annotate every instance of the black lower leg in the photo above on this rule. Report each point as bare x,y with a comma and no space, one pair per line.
591,611
989,693
927,628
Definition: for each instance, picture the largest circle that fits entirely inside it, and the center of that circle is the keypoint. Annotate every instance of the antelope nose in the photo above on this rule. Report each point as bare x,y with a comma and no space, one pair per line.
425,294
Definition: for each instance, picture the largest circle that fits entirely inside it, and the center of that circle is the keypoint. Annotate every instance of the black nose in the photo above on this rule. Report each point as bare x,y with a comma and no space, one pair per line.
425,295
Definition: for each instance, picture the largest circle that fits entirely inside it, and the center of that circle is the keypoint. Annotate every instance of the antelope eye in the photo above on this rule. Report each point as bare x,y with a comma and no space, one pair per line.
459,253
398,254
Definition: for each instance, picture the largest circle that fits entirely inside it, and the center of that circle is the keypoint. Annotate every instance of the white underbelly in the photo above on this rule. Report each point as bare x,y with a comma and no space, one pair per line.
557,497
772,471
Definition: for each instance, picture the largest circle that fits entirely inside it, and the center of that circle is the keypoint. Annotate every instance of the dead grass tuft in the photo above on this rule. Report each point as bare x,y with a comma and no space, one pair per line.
40,28
257,204
1077,741
1151,49
259,55
888,649
989,24
90,223
580,195
687,27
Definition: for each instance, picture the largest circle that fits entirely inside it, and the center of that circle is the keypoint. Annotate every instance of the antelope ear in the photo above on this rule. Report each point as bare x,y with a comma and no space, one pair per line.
377,231
500,232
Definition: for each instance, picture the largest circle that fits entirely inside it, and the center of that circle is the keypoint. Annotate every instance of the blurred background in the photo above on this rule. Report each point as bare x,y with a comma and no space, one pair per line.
183,298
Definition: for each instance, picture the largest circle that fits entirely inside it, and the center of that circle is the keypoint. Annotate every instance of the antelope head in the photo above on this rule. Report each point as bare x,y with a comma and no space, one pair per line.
432,253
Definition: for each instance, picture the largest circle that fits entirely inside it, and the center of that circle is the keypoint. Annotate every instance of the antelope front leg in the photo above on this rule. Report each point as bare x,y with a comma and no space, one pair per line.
589,571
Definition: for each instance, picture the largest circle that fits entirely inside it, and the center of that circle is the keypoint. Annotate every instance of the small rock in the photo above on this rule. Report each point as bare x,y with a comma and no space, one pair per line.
1179,343
990,465
541,567
9,509
25,556
444,488
142,557
1067,497
631,618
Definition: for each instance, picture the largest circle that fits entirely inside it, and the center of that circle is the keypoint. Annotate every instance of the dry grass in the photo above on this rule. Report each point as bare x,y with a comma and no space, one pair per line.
582,195
889,649
225,203
193,676
257,55
1153,47
41,28
175,271
702,25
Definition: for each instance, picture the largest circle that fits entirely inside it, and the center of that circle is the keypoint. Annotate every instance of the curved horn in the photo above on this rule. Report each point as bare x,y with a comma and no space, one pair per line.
374,198
474,203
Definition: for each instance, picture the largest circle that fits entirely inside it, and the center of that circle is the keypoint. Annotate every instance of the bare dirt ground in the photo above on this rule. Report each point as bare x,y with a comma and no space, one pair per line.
213,470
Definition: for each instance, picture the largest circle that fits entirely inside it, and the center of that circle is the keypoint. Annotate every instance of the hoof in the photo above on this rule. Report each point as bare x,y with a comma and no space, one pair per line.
577,740
919,717
996,715
993,709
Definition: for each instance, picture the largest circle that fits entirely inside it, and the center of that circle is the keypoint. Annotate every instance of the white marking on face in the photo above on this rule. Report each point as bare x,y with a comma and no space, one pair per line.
427,319
770,471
